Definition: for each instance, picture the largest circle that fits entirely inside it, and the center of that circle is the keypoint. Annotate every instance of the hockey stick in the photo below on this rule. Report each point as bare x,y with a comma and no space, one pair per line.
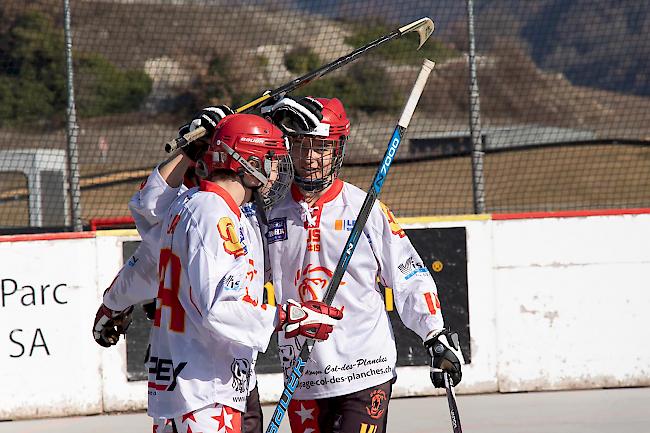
453,408
355,234
424,27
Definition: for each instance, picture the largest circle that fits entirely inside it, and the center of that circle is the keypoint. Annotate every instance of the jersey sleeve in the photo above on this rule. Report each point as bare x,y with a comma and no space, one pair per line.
149,205
136,281
401,268
220,272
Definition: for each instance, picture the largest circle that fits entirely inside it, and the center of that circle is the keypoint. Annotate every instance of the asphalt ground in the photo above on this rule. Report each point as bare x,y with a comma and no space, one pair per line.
625,410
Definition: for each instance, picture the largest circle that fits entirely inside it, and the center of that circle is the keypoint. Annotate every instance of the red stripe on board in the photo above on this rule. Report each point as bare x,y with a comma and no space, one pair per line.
96,223
569,214
47,236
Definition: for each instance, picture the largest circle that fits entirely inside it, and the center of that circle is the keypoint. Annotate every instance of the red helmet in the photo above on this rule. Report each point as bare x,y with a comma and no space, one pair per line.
246,143
330,136
335,122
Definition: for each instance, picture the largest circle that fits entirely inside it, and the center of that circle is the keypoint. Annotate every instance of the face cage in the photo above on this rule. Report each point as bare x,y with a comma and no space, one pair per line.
317,162
279,171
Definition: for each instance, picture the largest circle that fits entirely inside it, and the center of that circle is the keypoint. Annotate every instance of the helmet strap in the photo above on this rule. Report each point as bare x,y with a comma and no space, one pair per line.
245,164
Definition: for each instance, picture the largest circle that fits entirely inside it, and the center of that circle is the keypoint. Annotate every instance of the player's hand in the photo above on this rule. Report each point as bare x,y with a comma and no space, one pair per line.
294,116
109,324
311,319
445,355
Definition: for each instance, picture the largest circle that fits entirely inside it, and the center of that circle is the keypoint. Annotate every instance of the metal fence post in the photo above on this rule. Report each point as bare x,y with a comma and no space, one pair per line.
478,153
72,129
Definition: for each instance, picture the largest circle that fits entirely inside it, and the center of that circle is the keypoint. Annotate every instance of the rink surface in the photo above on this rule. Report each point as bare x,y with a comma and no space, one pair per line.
594,411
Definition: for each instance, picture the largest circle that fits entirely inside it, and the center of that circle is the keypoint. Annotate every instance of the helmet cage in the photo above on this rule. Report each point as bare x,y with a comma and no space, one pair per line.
317,161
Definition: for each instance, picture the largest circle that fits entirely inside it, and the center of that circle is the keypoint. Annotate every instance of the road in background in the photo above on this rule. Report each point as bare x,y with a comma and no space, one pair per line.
592,411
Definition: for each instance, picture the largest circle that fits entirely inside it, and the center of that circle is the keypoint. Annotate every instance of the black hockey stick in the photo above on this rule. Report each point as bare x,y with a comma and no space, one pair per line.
424,27
355,234
453,408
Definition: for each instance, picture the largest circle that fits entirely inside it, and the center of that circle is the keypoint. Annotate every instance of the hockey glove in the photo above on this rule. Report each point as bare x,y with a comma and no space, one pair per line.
311,319
445,355
208,118
109,324
149,309
295,116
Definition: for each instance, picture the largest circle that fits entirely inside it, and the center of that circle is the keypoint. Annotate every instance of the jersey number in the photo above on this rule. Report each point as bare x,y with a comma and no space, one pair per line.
168,294
231,243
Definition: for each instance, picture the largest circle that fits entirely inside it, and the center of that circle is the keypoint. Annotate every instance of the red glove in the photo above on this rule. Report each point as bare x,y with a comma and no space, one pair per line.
311,319
109,324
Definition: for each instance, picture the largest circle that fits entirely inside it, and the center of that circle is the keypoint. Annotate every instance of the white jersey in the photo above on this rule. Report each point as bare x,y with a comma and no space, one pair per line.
305,244
209,323
137,281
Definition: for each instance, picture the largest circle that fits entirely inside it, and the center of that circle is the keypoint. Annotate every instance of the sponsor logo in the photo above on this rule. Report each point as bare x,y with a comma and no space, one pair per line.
241,374
411,267
377,403
287,395
252,140
163,373
346,225
312,282
132,261
277,230
231,284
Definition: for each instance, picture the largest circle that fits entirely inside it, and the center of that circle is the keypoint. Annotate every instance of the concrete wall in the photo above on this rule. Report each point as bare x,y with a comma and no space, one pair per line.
555,303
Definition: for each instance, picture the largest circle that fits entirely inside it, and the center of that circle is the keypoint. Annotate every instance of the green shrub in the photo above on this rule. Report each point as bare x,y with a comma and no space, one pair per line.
358,89
104,89
401,50
301,60
33,76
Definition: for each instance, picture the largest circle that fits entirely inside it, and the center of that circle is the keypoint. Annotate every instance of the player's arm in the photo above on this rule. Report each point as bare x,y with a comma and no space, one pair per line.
219,270
415,294
135,282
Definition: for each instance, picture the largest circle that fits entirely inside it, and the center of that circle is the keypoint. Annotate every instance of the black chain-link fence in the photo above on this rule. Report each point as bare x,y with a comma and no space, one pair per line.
563,85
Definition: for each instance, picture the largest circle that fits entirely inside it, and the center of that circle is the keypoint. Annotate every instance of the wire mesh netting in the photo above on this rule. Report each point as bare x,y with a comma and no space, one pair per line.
563,90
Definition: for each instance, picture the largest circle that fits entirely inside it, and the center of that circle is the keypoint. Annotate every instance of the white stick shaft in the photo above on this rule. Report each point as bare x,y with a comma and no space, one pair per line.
418,87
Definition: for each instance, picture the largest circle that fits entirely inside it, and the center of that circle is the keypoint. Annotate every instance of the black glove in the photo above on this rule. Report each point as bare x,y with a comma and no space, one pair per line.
109,324
295,116
208,118
445,355
149,309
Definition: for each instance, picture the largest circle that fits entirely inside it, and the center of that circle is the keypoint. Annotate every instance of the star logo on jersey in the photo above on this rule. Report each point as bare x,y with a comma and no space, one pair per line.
312,281
227,420
303,415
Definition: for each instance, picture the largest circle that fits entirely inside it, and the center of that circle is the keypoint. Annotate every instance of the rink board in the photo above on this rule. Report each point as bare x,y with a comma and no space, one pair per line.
552,303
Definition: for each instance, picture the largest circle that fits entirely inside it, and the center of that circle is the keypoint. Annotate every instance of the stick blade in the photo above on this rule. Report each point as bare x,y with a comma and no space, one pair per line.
424,27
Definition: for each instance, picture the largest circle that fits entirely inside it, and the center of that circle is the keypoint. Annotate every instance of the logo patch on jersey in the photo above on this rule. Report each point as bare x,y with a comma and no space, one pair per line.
231,240
377,403
392,221
248,209
312,282
412,267
241,374
231,284
346,225
277,230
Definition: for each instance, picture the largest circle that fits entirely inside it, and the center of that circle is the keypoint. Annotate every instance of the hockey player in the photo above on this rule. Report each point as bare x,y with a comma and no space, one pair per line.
347,383
207,325
137,281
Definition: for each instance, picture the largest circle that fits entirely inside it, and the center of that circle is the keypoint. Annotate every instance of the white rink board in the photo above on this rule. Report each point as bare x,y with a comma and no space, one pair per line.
554,304
49,364
572,302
